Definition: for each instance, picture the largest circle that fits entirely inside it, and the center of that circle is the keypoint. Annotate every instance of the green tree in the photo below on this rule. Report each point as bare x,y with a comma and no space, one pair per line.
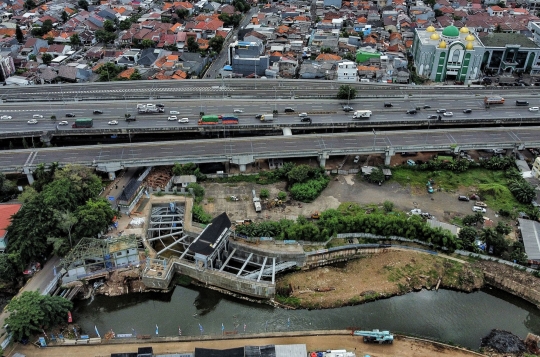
503,229
498,29
104,36
438,13
124,25
147,43
518,254
50,40
29,4
135,76
46,58
32,57
46,27
83,4
216,43
388,206
198,191
182,13
188,169
299,173
19,34
467,236
376,176
94,217
32,312
523,191
241,5
282,196
75,40
8,272
494,241
66,221
346,92
264,194
65,16
109,26
192,45
230,20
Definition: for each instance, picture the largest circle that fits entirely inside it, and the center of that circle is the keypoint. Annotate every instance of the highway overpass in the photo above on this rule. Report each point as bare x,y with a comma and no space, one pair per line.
245,151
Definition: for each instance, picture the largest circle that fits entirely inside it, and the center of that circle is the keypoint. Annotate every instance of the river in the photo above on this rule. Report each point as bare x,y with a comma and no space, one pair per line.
447,316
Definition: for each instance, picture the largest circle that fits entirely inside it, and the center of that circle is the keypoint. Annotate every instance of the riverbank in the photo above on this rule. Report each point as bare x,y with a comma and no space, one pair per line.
374,277
316,340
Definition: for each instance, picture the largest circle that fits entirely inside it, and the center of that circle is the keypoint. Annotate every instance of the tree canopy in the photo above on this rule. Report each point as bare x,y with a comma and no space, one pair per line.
31,312
346,92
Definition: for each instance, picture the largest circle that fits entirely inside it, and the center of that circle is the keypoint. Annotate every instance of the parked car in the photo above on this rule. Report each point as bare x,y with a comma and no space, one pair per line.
440,111
63,122
113,122
172,117
356,159
467,111
411,111
480,204
448,114
6,117
183,120
478,209
70,115
463,198
97,111
411,162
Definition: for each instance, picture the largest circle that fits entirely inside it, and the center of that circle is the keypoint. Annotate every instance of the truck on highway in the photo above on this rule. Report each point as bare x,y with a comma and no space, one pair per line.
150,110
267,117
362,114
229,119
494,99
83,123
209,120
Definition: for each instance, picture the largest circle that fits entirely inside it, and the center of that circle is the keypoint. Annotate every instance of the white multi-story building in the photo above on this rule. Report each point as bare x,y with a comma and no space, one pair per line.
347,72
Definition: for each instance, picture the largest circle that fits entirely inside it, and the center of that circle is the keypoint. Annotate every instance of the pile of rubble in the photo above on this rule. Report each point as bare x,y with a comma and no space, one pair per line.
503,342
158,177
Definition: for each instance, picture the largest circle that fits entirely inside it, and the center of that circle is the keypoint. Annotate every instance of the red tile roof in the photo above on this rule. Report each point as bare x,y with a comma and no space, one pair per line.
6,211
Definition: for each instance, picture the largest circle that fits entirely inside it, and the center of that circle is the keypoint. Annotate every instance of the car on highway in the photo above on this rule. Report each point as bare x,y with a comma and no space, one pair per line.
183,120
440,111
63,122
289,110
258,116
467,111
388,105
534,109
347,109
432,116
6,117
479,209
238,111
37,116
175,112
411,111
172,117
70,115
448,114
113,122
427,107
32,121
306,120
302,115
97,111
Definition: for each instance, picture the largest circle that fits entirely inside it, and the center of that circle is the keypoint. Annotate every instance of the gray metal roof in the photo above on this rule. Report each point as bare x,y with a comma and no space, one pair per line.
530,231
298,350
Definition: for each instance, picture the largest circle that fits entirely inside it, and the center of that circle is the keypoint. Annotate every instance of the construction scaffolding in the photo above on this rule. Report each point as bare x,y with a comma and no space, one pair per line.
166,230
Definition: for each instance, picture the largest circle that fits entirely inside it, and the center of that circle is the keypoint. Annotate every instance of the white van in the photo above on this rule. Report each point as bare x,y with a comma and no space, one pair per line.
37,116
478,209
364,80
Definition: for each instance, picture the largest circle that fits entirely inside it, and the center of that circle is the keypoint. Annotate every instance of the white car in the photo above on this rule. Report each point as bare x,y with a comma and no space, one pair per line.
356,159
301,115
534,109
479,209
113,122
183,120
174,112
172,117
32,121
238,111
37,116
448,114
63,122
6,117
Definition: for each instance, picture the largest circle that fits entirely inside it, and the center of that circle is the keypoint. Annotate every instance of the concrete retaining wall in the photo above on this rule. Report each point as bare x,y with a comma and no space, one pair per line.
525,292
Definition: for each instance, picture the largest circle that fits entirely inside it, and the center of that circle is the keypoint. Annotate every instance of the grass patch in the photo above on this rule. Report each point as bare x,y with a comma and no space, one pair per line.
497,196
458,221
288,300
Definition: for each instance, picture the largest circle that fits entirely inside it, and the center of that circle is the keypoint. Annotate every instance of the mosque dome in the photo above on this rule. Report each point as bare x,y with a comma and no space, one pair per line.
450,31
430,29
469,46
435,36
464,29
469,38
442,44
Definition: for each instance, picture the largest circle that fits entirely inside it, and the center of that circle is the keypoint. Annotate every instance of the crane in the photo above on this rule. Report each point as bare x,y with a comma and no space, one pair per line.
375,336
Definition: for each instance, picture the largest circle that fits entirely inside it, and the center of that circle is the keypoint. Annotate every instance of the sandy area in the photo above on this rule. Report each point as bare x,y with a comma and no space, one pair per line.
403,347
377,276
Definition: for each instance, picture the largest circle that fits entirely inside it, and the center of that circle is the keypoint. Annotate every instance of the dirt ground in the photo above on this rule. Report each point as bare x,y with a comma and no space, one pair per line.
403,347
376,276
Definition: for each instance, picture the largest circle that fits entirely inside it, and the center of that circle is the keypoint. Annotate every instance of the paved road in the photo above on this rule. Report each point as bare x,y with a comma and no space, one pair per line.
162,153
21,113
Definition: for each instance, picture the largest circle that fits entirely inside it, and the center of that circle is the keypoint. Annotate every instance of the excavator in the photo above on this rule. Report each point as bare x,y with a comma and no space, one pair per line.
375,336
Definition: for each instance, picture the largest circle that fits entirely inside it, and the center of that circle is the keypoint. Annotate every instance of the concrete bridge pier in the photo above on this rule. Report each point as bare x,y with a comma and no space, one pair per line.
322,159
110,168
242,161
29,175
388,155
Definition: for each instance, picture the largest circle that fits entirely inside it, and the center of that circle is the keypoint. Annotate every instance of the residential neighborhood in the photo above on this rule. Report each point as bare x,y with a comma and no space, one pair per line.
370,41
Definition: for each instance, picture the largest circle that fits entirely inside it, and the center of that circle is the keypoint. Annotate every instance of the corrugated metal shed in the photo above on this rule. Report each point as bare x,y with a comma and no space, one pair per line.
298,350
530,231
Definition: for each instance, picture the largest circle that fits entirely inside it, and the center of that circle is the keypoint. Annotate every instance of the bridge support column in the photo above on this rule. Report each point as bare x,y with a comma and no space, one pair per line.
46,140
388,155
322,159
112,175
242,161
110,168
29,175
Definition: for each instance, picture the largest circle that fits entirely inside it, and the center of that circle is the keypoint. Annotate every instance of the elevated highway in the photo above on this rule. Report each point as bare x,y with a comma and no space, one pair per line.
245,151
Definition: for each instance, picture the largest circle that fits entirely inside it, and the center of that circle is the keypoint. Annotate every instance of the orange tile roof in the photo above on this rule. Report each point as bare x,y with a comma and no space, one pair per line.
367,68
179,74
408,43
6,211
167,6
69,10
127,73
362,20
203,44
327,57
7,32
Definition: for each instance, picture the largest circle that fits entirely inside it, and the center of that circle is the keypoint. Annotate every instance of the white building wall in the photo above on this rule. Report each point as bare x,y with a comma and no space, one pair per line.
347,72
